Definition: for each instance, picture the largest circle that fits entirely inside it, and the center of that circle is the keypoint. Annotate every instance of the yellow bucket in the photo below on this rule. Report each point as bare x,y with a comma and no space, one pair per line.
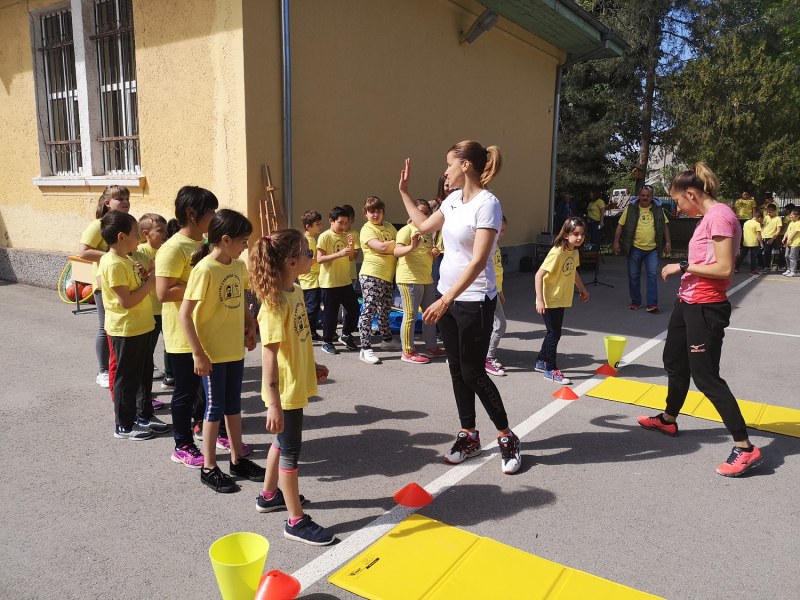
615,348
238,560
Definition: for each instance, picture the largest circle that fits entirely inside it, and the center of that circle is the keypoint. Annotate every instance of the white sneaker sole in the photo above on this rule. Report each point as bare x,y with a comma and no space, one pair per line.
458,462
289,536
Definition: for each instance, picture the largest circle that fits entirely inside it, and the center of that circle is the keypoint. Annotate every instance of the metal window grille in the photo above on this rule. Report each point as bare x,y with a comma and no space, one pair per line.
116,62
62,138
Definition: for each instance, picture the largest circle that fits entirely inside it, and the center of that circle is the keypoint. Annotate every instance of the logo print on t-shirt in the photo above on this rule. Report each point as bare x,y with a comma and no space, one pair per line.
300,321
569,266
230,291
646,217
385,235
338,246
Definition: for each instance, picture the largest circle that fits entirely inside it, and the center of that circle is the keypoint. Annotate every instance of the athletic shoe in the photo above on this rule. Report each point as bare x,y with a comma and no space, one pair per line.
658,424
329,348
135,432
154,424
511,459
368,356
157,373
248,470
736,270
540,366
634,306
315,337
102,379
464,448
740,461
390,345
557,376
217,480
308,532
414,357
651,308
493,368
157,404
435,352
197,430
224,443
167,382
755,272
349,342
793,275
188,455
786,272
278,502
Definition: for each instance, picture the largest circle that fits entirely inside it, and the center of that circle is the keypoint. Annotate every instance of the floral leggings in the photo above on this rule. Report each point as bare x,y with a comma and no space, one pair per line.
377,299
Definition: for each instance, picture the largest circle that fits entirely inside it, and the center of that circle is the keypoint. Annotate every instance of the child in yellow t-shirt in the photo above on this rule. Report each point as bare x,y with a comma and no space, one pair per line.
290,374
494,366
92,247
218,327
791,241
309,282
555,283
751,243
129,324
376,278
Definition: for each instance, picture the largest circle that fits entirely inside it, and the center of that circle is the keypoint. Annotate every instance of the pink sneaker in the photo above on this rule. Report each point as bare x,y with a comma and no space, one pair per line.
414,357
157,404
435,352
224,443
188,455
740,461
494,368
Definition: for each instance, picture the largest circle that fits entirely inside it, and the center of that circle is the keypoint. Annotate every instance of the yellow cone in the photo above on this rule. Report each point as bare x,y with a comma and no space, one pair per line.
238,560
615,348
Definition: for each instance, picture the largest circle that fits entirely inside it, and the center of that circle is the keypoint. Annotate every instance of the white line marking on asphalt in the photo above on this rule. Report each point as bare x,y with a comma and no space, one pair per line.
764,332
346,549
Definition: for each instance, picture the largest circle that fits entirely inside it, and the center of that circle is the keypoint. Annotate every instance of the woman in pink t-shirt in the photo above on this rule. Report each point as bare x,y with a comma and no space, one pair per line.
701,314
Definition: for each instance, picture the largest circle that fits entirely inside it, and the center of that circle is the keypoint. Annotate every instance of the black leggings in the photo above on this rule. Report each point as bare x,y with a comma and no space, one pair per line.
692,351
466,328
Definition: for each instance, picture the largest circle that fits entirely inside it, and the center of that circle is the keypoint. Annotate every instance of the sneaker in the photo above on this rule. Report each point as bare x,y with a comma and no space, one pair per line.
793,274
657,424
755,272
135,432
197,430
167,382
315,337
188,455
740,461
464,448
154,424
224,443
511,459
277,503
157,373
651,308
415,357
157,404
329,348
248,470
736,270
435,352
540,366
217,480
349,342
390,345
368,356
557,376
634,306
493,368
308,532
102,379
786,272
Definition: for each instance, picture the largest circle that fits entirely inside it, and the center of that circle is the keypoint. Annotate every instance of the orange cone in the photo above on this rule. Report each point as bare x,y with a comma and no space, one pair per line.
565,393
607,370
413,496
276,585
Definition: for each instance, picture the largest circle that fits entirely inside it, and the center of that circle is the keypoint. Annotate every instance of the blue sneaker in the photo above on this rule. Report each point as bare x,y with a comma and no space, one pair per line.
540,367
557,376
329,348
308,532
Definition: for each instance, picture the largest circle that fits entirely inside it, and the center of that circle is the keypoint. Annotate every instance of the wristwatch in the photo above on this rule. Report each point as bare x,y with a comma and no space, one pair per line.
684,264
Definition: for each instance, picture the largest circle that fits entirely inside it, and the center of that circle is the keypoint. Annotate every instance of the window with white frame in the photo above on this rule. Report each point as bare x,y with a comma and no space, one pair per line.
86,90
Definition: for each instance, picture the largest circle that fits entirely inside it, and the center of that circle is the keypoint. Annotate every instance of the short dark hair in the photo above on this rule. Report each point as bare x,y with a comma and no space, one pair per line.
115,222
310,217
336,212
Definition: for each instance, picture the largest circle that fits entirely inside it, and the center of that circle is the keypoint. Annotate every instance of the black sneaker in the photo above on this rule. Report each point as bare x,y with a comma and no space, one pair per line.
349,342
217,480
154,424
308,532
247,469
329,348
511,460
315,337
465,447
277,503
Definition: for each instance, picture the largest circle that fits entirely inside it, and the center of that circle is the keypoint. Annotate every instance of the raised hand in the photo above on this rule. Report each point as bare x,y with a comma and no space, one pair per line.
405,174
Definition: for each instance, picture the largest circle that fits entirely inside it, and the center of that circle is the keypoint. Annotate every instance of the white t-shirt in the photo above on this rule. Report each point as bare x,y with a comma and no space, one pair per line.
460,224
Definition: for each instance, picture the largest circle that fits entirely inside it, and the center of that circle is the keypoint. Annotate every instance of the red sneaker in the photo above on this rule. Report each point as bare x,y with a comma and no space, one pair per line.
656,424
435,352
740,461
414,358
634,306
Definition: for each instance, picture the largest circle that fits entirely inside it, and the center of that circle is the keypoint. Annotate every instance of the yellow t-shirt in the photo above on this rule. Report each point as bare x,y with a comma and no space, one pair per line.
288,325
771,226
145,254
118,271
744,208
559,282
417,265
497,261
92,238
175,260
595,209
310,280
219,313
794,226
750,231
645,236
376,264
357,245
335,273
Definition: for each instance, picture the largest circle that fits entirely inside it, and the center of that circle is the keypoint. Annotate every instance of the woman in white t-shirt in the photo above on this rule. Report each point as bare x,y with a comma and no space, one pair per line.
469,219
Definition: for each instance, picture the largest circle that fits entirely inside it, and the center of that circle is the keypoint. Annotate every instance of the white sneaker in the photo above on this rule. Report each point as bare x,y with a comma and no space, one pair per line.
157,373
102,379
793,274
786,272
511,459
368,356
390,345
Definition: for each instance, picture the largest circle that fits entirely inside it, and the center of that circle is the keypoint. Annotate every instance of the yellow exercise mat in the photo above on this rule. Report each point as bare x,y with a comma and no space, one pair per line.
776,419
427,560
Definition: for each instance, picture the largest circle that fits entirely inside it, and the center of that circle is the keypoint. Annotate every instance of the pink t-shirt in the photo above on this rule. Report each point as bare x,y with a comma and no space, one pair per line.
721,221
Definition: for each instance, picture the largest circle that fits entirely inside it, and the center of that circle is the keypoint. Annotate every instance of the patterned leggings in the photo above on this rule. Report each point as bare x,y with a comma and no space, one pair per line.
377,299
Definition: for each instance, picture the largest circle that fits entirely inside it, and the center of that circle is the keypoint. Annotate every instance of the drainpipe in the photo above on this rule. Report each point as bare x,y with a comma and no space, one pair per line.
287,111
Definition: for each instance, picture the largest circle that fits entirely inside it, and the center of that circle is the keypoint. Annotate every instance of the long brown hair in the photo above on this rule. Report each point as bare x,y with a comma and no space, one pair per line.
268,264
486,161
568,227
